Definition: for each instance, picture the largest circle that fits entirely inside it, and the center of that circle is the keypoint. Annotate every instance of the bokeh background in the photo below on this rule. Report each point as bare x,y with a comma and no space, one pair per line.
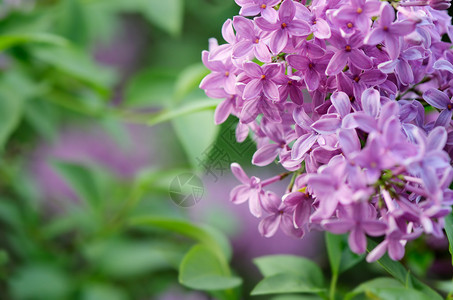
99,112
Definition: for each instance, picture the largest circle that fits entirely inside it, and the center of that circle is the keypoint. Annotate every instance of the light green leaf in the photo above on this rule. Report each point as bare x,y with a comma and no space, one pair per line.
189,79
41,117
185,109
297,297
197,133
73,21
285,283
126,258
11,40
77,64
396,293
152,87
10,114
289,264
168,14
189,230
374,283
201,269
40,281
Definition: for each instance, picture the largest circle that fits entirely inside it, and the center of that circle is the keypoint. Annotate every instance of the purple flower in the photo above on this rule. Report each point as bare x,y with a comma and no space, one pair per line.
312,69
354,138
285,26
401,66
389,31
303,144
250,40
301,203
291,86
357,219
250,190
348,52
318,25
262,81
255,7
441,101
281,216
269,152
357,15
222,75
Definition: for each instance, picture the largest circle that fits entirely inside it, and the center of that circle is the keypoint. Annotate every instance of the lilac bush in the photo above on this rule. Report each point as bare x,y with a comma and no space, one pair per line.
337,93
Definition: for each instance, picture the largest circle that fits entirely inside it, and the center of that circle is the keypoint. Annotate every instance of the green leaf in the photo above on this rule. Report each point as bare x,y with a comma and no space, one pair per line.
374,283
167,15
186,109
297,297
77,64
4,258
121,258
40,281
11,40
83,181
201,270
449,231
152,87
197,127
73,21
189,79
189,230
10,114
397,270
395,293
289,264
285,283
103,291
42,118
341,258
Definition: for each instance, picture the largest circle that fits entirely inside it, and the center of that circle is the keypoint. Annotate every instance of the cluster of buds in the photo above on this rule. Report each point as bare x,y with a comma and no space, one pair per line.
353,99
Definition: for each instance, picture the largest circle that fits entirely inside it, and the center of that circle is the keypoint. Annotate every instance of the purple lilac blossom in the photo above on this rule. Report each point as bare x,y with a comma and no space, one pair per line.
340,104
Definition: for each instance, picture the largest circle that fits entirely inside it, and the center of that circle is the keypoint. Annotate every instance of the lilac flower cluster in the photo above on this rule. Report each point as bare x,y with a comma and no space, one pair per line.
354,99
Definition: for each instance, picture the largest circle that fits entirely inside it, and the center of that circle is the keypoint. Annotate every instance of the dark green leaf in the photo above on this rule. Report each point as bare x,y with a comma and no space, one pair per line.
397,270
449,231
341,258
82,179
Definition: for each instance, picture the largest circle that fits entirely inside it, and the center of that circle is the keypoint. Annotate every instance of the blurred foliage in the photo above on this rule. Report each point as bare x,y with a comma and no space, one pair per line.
101,64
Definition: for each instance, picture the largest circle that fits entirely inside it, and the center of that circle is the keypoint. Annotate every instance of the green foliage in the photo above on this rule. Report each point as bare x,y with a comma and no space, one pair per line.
341,258
201,269
449,231
386,288
288,274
